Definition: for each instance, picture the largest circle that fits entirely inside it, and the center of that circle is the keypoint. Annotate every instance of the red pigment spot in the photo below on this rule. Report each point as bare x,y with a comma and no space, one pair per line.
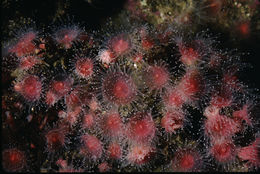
189,84
119,88
147,43
244,29
172,121
72,100
66,37
28,62
88,121
42,46
243,114
17,105
114,151
18,87
220,101
113,124
25,45
93,104
213,6
32,146
13,160
106,56
141,127
251,153
65,168
211,111
120,44
173,98
92,146
156,77
51,98
62,163
55,139
61,88
104,167
231,81
223,151
139,154
189,56
30,87
137,58
73,115
84,68
220,125
186,160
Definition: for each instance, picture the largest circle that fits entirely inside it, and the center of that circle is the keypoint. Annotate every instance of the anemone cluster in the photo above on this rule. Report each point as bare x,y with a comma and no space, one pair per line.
128,98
